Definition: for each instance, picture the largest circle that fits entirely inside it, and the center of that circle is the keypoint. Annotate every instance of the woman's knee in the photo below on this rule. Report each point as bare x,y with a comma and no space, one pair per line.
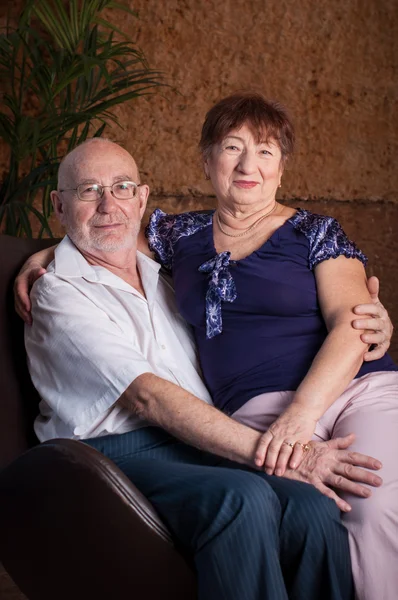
378,512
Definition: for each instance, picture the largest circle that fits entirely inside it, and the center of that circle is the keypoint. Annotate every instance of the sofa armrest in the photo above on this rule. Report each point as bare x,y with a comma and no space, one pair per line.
73,526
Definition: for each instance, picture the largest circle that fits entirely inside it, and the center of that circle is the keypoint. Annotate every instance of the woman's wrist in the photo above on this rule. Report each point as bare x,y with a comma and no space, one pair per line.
312,410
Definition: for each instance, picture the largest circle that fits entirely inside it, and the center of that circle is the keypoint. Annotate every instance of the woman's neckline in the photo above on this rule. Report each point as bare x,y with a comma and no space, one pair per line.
274,234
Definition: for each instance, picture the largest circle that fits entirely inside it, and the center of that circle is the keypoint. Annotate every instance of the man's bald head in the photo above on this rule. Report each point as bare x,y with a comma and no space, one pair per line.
109,223
75,160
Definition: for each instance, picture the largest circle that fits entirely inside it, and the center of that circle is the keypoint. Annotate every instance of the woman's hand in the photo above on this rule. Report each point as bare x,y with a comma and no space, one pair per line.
285,442
375,321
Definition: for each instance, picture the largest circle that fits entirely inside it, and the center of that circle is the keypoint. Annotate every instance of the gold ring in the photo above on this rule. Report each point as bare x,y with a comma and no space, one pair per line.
289,444
305,447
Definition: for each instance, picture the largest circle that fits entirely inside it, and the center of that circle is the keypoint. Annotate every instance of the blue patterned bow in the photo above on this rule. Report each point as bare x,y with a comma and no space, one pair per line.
221,288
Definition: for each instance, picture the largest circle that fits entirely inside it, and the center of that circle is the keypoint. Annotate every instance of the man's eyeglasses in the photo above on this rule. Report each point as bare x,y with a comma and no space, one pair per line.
90,192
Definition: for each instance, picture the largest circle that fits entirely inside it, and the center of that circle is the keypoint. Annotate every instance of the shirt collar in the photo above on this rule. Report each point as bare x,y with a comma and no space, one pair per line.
69,262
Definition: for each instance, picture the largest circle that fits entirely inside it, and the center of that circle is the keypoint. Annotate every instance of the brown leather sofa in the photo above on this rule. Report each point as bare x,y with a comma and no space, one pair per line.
72,526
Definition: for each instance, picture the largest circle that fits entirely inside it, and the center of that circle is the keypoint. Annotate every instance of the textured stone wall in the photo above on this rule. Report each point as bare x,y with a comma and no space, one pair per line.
333,64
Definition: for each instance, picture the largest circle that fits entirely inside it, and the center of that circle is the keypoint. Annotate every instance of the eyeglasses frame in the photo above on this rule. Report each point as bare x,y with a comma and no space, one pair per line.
103,187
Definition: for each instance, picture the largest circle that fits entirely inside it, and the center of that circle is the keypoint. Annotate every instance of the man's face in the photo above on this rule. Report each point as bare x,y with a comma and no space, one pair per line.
108,224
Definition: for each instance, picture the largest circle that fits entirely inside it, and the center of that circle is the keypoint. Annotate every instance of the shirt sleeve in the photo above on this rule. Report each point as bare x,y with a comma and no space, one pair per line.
80,361
328,240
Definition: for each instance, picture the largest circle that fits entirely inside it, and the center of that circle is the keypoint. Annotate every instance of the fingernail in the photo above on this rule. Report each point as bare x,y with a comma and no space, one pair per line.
268,471
258,462
293,465
378,464
366,493
278,472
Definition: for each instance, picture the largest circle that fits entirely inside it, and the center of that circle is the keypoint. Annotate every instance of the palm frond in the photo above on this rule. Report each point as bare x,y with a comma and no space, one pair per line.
73,67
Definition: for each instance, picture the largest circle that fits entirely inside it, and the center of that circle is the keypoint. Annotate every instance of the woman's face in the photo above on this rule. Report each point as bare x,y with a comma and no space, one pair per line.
243,171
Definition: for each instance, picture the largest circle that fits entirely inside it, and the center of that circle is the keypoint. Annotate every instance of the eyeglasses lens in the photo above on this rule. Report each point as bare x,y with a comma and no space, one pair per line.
123,190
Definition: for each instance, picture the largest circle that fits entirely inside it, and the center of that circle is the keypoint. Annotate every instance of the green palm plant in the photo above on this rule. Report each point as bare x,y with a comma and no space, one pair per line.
62,71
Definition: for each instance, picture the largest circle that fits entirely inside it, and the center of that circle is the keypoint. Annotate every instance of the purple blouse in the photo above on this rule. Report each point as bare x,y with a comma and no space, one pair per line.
257,321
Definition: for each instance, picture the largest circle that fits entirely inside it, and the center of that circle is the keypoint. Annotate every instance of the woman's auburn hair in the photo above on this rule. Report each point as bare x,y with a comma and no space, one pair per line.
267,120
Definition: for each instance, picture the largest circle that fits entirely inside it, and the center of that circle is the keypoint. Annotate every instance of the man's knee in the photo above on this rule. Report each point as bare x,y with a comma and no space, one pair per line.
243,497
307,510
231,500
243,491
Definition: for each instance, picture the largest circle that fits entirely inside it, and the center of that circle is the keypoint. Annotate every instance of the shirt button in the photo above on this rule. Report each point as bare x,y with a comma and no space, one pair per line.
163,347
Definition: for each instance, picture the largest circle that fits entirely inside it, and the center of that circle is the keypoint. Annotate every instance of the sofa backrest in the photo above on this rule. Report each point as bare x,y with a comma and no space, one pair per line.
18,398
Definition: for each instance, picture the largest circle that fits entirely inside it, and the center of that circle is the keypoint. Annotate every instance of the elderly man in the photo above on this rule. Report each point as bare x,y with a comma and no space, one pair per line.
115,366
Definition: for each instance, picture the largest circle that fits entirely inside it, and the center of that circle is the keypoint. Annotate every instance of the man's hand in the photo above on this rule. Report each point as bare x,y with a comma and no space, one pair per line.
22,286
329,465
378,326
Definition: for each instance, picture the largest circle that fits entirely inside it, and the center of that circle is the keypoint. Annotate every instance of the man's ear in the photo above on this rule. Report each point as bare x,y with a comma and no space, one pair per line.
143,193
58,205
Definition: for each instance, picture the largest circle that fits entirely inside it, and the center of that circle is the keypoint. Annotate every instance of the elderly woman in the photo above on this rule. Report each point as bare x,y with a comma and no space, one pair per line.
272,320
269,292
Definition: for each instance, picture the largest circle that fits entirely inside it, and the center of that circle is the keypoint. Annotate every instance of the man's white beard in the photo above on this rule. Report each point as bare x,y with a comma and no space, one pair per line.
105,245
103,241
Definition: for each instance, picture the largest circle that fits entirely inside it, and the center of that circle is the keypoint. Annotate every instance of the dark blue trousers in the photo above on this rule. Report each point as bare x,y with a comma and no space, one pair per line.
251,536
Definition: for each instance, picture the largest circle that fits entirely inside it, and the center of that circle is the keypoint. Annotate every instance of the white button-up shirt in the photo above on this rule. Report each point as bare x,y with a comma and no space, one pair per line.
92,335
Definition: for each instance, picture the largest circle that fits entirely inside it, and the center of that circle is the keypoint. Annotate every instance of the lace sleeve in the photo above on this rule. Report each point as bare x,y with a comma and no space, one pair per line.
326,238
164,231
159,233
